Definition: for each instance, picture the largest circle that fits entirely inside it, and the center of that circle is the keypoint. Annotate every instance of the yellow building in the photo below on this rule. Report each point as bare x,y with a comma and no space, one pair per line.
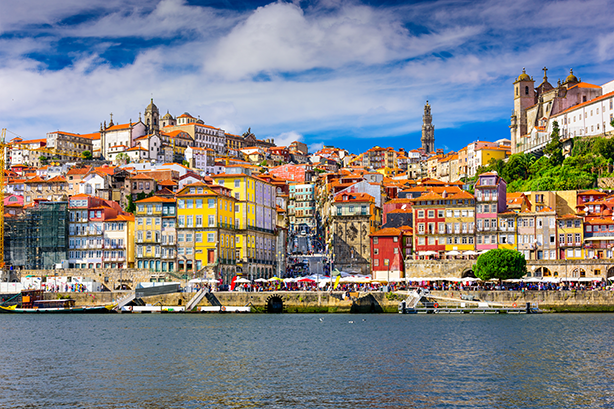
155,234
570,237
508,238
484,154
206,231
255,221
460,222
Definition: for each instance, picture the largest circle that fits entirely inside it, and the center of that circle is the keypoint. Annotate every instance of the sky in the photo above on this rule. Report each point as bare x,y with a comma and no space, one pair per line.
333,72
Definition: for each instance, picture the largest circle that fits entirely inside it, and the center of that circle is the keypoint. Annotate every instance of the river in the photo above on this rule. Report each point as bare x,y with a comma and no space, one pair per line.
307,361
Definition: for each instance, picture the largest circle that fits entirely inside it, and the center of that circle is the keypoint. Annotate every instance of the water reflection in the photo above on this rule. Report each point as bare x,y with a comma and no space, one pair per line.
282,361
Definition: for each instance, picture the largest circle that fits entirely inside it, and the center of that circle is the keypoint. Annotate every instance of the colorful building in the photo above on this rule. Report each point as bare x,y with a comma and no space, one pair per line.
206,231
255,214
155,234
387,254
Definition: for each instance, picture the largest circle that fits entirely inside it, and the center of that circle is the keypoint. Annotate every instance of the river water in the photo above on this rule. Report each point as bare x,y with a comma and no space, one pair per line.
307,361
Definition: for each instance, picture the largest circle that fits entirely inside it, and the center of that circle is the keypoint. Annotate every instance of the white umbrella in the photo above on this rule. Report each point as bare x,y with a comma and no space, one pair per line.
453,253
588,279
261,280
242,280
470,253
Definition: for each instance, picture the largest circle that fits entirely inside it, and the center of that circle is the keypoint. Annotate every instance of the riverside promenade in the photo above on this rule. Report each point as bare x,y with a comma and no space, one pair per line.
365,302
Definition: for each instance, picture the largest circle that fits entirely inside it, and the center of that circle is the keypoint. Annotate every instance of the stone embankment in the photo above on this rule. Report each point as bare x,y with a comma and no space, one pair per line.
374,302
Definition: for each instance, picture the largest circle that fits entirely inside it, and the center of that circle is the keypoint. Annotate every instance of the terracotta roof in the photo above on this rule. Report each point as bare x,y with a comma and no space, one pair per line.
354,197
141,176
428,196
388,231
118,127
585,85
593,193
156,199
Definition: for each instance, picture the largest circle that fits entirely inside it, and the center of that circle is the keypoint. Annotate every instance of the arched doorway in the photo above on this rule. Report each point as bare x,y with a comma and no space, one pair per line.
468,274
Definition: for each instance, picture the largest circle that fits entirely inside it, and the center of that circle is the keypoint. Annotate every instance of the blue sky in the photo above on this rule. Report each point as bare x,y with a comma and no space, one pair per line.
348,73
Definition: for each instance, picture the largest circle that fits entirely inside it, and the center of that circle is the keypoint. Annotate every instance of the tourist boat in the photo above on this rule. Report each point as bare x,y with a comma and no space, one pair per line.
31,303
56,306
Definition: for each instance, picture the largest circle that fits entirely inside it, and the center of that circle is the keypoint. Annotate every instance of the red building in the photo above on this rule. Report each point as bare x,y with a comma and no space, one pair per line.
429,225
387,254
294,173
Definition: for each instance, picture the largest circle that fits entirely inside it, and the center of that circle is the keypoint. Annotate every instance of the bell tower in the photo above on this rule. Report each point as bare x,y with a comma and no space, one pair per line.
524,97
152,118
428,130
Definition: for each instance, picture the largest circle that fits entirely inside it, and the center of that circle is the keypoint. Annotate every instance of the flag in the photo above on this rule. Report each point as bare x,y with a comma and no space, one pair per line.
337,281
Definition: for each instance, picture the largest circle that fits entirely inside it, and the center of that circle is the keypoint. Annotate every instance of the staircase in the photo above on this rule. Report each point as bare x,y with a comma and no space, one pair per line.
125,301
196,299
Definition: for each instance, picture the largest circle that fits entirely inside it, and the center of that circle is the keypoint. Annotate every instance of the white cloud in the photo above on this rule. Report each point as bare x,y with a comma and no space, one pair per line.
314,147
287,138
333,68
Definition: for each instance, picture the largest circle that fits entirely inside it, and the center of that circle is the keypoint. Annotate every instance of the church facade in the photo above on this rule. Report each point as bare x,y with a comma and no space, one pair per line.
579,108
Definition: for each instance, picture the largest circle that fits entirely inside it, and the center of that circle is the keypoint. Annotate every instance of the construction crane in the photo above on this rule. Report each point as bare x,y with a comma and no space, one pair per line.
3,152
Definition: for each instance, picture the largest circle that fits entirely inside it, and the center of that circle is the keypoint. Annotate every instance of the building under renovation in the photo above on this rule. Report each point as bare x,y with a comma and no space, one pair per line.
38,238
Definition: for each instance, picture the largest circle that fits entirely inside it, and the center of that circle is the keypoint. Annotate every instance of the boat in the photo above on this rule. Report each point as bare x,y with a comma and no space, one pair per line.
31,303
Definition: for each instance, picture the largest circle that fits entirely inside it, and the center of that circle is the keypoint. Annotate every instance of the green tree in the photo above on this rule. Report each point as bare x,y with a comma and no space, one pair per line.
186,163
130,207
553,149
87,155
43,160
502,264
605,147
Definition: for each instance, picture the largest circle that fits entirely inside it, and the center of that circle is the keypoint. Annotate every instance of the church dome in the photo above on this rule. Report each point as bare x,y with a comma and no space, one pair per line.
167,116
151,107
524,76
571,77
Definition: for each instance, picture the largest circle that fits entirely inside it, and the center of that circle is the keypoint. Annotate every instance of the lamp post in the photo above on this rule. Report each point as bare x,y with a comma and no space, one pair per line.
387,264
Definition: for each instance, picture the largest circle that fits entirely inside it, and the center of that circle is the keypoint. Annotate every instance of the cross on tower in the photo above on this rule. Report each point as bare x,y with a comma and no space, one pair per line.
545,71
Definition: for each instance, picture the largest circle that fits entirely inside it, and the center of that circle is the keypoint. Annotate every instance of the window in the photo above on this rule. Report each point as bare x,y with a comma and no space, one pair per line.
199,203
210,237
211,203
375,240
421,214
395,239
375,251
376,262
431,214
181,204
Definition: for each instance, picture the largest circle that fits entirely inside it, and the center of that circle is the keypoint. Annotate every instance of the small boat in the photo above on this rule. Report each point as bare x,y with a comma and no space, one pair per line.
31,303
57,307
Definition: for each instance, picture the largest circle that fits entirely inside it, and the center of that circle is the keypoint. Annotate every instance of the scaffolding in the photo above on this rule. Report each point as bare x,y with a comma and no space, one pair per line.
38,238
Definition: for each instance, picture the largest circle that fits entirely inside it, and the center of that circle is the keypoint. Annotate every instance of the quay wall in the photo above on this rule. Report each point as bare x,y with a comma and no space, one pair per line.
372,302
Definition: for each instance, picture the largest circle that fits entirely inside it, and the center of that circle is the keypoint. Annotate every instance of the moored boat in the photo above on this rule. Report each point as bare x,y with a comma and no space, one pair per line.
31,303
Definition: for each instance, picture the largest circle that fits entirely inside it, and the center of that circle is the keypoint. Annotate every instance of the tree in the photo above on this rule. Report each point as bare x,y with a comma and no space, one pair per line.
131,207
502,264
86,155
43,160
186,163
553,148
605,147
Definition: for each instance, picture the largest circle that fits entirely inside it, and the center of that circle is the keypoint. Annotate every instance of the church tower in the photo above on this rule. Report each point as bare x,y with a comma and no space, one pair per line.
152,118
524,97
428,130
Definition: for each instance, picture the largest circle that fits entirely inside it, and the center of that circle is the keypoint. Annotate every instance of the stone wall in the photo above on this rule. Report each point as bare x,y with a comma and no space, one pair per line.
555,268
112,279
322,302
438,268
